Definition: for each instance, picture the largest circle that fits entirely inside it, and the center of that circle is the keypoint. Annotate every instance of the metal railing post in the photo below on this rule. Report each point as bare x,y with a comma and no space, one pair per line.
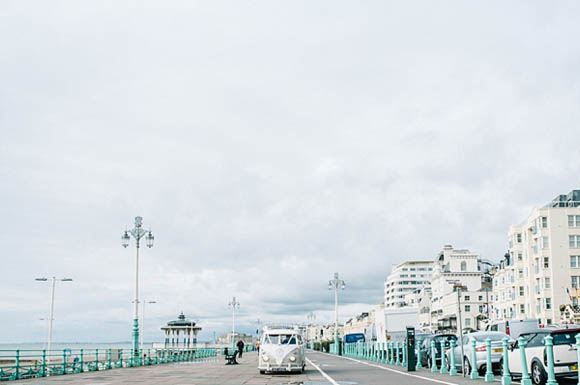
474,373
550,357
419,365
525,375
16,374
96,359
398,360
506,378
82,361
433,357
43,365
443,369
488,369
109,364
63,371
453,369
120,365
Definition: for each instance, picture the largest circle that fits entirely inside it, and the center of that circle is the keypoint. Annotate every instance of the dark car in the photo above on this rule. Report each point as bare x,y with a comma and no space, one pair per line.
426,358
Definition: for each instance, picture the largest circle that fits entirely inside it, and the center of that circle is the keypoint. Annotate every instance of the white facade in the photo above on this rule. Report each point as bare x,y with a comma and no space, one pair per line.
406,278
458,270
542,264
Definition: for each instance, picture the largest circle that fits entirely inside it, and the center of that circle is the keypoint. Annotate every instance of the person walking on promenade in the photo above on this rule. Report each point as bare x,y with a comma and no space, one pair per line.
240,346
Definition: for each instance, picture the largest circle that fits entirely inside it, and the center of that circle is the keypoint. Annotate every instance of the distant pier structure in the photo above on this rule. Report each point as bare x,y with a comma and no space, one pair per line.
181,333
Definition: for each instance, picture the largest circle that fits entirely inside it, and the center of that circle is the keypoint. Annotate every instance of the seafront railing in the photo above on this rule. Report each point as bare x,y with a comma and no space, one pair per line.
23,364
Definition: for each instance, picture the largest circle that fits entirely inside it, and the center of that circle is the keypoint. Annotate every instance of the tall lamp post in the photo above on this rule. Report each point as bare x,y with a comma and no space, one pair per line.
143,320
311,317
138,233
234,304
336,284
51,317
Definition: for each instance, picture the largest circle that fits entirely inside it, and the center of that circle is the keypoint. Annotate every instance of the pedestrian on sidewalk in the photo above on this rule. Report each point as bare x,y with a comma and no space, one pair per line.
240,348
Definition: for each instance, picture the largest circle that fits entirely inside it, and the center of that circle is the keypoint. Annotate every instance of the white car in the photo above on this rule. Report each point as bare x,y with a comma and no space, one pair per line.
281,350
565,354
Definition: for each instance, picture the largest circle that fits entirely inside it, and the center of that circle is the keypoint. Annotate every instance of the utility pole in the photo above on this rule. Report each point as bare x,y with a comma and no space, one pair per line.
51,317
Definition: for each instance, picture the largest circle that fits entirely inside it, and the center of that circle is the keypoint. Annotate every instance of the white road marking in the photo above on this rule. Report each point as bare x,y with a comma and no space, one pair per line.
322,372
396,371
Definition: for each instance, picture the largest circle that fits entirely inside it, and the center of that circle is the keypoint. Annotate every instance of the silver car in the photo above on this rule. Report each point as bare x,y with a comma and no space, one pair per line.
480,350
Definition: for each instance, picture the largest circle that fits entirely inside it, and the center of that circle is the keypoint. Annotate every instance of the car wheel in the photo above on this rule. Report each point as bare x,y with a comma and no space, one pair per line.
500,363
262,372
448,366
467,366
538,374
429,362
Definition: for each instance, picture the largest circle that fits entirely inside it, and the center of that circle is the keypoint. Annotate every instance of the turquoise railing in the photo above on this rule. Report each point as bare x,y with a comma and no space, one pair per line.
22,364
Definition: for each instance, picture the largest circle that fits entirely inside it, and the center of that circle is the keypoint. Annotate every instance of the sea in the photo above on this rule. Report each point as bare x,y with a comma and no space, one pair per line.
72,346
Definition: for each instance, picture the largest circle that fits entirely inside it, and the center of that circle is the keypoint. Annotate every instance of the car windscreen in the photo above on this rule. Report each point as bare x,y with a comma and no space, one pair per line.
287,339
565,338
438,339
271,339
492,337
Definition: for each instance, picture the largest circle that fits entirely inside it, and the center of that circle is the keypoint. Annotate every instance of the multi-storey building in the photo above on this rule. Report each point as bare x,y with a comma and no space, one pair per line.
405,278
541,270
460,285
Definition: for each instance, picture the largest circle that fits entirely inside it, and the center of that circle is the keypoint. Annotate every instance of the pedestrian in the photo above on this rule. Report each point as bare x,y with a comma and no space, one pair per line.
240,348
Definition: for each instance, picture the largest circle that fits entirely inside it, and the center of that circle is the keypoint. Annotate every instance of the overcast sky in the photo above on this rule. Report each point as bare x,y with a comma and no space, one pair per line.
267,144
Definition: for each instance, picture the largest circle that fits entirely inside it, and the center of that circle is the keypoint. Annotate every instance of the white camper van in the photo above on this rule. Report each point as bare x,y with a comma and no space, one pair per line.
281,350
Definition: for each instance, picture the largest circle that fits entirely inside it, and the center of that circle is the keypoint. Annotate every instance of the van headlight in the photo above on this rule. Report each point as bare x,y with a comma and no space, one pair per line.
265,357
292,359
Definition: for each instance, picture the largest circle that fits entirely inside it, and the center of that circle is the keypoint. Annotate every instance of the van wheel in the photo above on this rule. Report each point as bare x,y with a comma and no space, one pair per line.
538,374
262,372
429,362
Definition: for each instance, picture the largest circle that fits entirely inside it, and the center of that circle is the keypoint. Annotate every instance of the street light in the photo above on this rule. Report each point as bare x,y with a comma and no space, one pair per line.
138,233
51,317
143,320
234,304
335,284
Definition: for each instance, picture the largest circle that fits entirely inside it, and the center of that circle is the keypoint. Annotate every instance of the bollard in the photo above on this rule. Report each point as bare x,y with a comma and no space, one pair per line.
96,359
384,353
120,364
474,373
433,355
419,364
550,357
397,358
506,378
525,375
453,369
443,369
404,351
488,370
109,357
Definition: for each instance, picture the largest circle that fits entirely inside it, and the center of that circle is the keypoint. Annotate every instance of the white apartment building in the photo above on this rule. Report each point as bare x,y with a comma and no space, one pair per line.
542,264
459,270
406,278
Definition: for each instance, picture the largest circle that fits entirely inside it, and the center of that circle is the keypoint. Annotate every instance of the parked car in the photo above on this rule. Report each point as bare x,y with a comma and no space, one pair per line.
514,328
565,354
426,358
480,351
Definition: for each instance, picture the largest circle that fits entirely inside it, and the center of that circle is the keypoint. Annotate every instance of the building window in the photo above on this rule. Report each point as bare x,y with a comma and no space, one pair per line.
573,261
574,240
570,220
538,306
522,308
467,298
548,303
468,322
519,237
480,297
521,291
467,308
536,266
574,281
546,262
545,243
544,222
520,273
463,266
481,309
547,283
520,257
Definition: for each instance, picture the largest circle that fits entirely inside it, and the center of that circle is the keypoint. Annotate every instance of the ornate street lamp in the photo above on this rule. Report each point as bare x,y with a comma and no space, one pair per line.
335,284
234,304
138,233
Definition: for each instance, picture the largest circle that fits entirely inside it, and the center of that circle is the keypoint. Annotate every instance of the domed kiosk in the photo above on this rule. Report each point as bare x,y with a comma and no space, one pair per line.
181,333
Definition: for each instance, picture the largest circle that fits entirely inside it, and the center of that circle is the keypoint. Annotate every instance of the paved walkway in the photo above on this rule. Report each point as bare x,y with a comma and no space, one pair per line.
321,369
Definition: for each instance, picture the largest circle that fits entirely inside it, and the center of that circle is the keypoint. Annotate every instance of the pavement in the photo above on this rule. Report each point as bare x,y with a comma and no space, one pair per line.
321,369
